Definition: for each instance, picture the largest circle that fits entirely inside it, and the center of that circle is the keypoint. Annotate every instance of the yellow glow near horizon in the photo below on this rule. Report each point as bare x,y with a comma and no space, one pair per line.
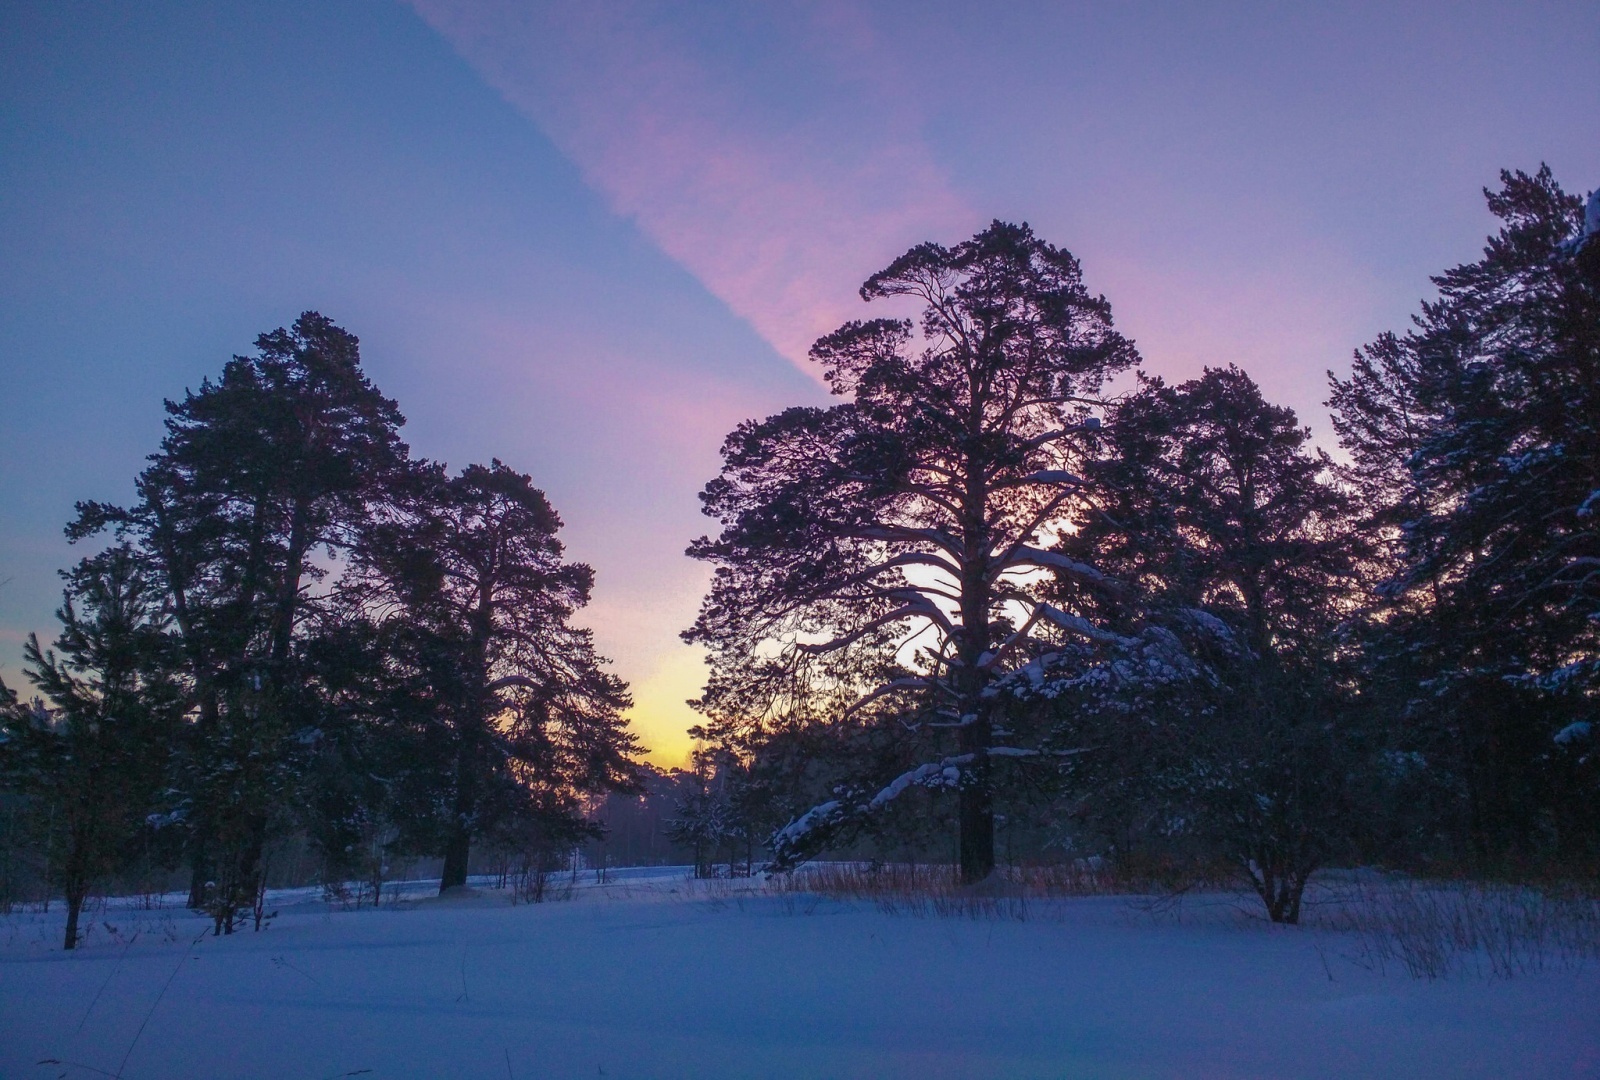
660,715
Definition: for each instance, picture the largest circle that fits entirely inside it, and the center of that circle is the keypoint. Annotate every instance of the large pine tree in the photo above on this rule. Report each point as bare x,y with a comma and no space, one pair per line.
283,455
875,563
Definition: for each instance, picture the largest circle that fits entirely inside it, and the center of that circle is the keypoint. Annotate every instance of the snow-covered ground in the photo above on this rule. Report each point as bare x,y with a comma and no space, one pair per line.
657,976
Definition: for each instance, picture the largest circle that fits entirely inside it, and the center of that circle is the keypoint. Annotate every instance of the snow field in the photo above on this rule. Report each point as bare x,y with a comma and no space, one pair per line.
659,976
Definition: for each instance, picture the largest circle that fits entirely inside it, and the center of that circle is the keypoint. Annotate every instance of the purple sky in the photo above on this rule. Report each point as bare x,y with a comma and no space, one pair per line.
590,238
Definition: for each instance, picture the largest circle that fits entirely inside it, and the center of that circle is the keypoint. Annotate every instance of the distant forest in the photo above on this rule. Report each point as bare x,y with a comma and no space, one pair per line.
1010,600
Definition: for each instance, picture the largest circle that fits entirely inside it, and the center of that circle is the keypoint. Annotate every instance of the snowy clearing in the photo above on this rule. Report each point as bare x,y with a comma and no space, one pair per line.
654,975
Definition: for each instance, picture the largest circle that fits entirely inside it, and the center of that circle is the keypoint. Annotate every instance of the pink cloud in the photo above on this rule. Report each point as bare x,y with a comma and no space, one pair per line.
778,214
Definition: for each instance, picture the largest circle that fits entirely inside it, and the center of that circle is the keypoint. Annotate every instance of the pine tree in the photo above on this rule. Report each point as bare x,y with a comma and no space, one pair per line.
347,782
872,571
509,715
1213,501
92,755
282,456
1477,435
700,823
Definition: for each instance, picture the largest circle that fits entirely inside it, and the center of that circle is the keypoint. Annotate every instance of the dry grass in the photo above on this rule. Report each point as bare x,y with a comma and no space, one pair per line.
919,890
1429,929
1435,929
531,883
935,890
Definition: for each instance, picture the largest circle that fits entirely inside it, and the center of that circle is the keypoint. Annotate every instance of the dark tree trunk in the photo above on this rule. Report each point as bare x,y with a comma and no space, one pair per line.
459,844
976,807
1283,906
74,906
258,901
249,891
975,811
456,850
201,867
198,866
977,833
1281,884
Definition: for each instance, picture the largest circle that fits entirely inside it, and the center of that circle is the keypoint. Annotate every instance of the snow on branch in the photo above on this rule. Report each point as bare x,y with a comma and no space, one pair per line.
1076,624
786,838
512,680
945,773
789,843
938,537
919,558
1203,621
1090,423
1022,555
1574,732
904,558
1053,476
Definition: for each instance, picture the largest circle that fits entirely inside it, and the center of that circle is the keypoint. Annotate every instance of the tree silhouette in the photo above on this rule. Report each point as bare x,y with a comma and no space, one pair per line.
1214,502
876,560
282,456
1477,437
510,714
92,754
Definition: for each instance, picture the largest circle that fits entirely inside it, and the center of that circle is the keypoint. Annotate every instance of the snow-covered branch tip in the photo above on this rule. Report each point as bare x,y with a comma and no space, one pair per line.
512,680
1076,624
792,834
796,841
1023,555
1059,477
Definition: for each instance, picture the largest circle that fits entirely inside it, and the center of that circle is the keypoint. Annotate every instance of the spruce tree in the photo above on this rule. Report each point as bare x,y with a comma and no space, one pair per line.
1214,504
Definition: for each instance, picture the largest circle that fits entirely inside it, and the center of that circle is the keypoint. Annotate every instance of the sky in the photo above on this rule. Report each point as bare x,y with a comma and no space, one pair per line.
589,239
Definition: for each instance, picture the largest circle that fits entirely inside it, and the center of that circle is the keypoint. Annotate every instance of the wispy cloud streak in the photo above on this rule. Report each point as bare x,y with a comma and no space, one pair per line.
777,202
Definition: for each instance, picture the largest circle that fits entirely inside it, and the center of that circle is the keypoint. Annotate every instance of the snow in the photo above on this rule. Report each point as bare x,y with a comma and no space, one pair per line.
1054,476
814,818
933,774
1079,625
658,976
1573,732
1032,556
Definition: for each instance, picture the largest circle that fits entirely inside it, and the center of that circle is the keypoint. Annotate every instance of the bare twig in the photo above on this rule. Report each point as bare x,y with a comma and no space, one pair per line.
107,982
142,1024
75,1065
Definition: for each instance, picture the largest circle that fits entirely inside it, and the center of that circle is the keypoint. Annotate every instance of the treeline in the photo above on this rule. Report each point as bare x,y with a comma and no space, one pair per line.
297,629
1009,599
984,609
